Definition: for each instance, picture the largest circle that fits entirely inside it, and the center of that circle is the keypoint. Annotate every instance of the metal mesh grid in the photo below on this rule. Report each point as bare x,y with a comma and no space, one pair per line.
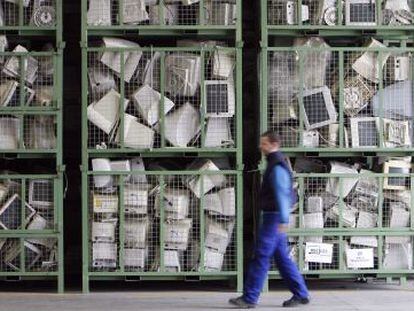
28,255
198,95
398,253
375,95
104,13
33,13
35,212
179,217
354,13
30,132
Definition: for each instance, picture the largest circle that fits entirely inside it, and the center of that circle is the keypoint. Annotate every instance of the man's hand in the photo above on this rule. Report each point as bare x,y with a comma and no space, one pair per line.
282,228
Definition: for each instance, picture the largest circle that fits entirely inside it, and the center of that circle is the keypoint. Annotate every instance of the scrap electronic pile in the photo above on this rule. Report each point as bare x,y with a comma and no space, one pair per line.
162,209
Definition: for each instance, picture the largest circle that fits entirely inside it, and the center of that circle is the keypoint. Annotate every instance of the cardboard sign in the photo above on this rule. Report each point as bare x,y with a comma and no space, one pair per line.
318,252
360,258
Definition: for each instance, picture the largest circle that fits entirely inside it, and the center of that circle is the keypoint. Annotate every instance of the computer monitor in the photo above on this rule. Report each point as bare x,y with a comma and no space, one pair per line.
11,211
319,109
41,193
365,132
219,98
397,133
360,13
397,167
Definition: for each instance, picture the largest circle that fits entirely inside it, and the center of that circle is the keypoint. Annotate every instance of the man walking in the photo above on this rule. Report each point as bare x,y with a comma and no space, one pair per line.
276,200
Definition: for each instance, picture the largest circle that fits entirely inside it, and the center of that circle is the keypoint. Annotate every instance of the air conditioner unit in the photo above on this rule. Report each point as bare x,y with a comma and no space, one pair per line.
136,199
134,12
104,255
213,260
136,135
105,112
397,133
135,257
10,94
183,74
207,181
182,125
43,13
113,59
177,233
365,132
219,98
41,133
101,80
360,13
137,164
367,65
104,231
9,133
30,65
176,203
41,193
218,133
223,63
99,13
11,212
333,184
397,167
136,232
105,203
221,203
102,181
319,109
148,102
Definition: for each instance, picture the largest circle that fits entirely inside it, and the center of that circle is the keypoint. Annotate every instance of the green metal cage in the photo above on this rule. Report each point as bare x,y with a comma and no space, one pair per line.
162,225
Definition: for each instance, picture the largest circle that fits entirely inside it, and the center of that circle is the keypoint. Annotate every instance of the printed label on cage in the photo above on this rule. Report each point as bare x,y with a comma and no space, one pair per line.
360,258
318,252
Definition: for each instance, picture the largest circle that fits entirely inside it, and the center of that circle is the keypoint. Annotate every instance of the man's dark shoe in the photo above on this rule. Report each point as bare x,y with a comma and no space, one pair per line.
295,301
240,303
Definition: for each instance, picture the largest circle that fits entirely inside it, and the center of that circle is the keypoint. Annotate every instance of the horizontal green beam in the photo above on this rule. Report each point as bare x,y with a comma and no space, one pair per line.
153,173
164,274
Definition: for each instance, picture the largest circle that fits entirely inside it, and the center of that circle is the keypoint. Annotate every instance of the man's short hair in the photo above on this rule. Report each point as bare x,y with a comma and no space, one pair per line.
272,136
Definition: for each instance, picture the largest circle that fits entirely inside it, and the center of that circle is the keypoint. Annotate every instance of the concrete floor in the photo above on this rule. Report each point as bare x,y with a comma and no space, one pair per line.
331,297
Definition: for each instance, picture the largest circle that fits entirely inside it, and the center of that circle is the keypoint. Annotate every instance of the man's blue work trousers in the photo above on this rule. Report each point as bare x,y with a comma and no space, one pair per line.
270,244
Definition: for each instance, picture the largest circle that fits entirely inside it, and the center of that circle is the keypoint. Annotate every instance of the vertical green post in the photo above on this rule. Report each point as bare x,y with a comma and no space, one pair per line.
341,99
121,129
162,101
121,231
202,223
239,226
162,223
203,103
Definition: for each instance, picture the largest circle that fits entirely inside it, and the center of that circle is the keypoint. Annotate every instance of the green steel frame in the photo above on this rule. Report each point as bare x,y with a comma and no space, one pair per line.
401,34
233,33
202,29
26,31
120,273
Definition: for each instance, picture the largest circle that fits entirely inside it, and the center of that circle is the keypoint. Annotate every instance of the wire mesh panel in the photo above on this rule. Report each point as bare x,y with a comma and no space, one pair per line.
106,13
35,212
397,253
33,13
145,221
334,98
175,99
330,13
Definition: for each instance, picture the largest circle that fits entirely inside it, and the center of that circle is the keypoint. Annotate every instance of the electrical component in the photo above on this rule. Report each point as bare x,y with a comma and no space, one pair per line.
43,13
99,13
203,183
130,58
177,233
357,94
213,260
182,125
218,133
182,72
104,255
311,139
399,67
397,167
104,231
365,132
105,203
136,135
135,199
11,212
135,257
282,12
396,133
223,63
148,101
219,98
220,13
319,108
105,112
134,12
221,203
360,13
30,65
136,232
176,203
217,237
397,12
41,193
368,64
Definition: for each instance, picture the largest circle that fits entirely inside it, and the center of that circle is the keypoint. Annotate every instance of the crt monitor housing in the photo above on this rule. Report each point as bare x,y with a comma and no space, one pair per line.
365,132
41,193
219,98
360,13
397,167
319,109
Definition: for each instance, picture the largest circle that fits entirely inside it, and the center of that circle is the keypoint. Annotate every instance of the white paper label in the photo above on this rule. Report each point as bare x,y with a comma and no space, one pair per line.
360,258
318,252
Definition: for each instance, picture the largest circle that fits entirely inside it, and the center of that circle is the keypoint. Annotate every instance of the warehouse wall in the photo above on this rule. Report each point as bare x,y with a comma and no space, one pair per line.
72,128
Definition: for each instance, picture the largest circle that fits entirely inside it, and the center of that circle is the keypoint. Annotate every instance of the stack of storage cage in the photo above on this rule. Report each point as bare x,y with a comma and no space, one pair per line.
162,143
31,169
337,85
